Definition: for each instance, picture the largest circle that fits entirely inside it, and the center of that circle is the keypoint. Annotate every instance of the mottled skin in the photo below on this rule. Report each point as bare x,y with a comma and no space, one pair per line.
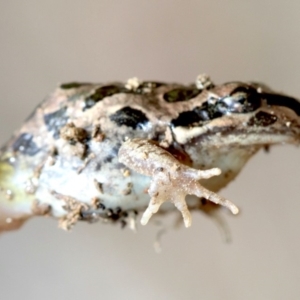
64,160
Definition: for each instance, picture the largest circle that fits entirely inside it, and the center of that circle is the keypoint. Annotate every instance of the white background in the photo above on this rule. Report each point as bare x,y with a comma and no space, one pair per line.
43,43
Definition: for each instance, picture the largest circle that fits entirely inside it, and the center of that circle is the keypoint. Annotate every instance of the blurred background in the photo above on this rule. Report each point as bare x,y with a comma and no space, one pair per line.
47,42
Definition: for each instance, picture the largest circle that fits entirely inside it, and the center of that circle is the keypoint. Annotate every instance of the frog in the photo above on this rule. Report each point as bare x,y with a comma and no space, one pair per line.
108,152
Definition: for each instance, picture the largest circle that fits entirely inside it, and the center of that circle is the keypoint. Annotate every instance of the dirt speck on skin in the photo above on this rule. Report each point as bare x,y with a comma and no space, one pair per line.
40,209
96,203
125,172
168,139
73,134
51,159
98,186
74,209
128,190
38,170
97,134
87,160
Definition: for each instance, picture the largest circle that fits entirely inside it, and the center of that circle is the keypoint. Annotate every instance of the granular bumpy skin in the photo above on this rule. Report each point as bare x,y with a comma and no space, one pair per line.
106,152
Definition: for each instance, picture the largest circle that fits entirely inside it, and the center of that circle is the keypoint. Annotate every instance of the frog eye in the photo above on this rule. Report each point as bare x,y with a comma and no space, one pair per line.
243,100
231,104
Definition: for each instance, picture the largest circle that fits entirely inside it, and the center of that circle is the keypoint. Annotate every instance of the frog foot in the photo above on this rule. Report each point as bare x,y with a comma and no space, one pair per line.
174,185
171,180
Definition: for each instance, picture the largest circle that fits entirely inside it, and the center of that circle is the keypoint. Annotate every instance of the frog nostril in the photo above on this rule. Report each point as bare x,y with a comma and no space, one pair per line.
244,99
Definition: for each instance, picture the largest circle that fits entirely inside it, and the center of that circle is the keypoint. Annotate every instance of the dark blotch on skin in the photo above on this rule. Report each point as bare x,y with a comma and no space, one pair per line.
241,100
102,212
180,94
194,117
129,117
262,119
25,144
109,90
55,121
101,93
185,119
72,85
281,100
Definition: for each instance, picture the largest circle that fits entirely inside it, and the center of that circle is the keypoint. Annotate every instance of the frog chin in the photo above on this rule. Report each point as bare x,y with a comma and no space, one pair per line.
229,159
231,153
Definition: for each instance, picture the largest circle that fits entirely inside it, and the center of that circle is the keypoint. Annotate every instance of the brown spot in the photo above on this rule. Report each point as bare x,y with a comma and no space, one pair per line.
74,209
86,162
227,174
40,209
97,134
98,186
125,172
145,155
128,190
96,203
73,134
